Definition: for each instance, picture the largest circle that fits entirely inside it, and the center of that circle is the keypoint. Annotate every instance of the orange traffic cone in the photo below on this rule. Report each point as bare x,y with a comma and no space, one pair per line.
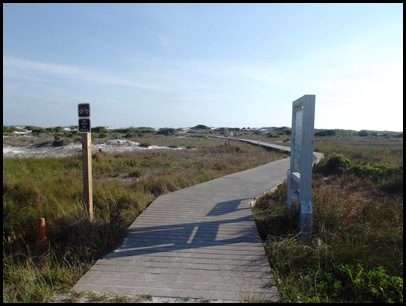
41,237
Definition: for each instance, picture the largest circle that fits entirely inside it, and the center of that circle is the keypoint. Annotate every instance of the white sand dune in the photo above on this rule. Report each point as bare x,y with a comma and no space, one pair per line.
111,146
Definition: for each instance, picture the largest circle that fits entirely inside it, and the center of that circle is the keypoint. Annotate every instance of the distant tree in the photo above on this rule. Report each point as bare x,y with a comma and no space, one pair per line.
200,127
272,134
167,131
37,130
326,133
223,130
99,129
284,130
363,133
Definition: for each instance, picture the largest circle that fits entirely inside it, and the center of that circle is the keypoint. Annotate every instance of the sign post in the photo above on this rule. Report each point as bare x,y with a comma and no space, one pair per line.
301,163
84,128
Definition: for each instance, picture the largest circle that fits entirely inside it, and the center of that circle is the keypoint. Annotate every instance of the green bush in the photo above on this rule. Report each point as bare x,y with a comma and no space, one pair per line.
373,172
99,129
37,130
375,283
167,131
363,133
336,164
6,129
272,135
132,134
145,144
325,133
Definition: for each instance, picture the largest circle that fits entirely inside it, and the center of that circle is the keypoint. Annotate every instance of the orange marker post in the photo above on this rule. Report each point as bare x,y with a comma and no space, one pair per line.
41,237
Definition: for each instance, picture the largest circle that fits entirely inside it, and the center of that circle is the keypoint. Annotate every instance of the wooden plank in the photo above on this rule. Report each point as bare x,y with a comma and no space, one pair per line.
199,242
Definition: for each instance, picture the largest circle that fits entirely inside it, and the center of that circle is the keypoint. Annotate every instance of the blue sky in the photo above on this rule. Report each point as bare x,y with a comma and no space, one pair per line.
221,65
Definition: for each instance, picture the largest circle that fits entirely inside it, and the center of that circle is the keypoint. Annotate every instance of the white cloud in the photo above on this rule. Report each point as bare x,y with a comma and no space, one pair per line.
15,67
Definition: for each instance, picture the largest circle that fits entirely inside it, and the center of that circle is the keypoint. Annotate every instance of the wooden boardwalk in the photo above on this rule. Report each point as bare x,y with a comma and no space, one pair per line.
200,242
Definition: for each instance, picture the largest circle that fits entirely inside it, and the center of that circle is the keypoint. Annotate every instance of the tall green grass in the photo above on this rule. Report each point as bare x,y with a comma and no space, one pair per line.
123,186
363,150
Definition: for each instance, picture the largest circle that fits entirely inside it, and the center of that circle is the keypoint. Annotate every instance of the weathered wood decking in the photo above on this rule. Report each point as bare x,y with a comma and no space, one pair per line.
200,242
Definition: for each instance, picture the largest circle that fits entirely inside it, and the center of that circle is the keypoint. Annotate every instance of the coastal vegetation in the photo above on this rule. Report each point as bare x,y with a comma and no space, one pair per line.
356,254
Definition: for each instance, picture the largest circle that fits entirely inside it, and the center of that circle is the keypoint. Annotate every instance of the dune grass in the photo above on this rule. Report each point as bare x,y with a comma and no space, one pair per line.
356,252
124,184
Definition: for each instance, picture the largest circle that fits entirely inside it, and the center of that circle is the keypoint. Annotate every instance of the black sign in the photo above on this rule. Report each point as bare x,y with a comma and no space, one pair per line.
84,125
84,110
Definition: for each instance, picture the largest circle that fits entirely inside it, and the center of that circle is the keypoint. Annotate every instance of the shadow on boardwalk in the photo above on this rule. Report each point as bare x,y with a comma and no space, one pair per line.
200,242
167,238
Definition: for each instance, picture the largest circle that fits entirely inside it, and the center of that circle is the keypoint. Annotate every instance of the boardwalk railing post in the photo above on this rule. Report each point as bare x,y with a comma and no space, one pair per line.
301,163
